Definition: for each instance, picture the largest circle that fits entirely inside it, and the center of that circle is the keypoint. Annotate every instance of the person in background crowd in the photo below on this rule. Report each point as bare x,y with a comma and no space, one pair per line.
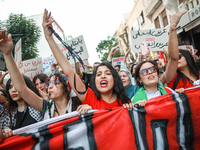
160,67
117,68
106,87
181,71
126,78
133,69
124,66
40,81
146,76
18,114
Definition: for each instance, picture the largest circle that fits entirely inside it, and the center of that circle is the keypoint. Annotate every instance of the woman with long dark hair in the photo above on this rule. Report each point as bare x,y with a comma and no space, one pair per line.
40,81
18,113
106,86
181,71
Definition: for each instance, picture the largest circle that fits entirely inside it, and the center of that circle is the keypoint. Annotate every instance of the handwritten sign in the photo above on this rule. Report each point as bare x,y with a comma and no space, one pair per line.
156,39
31,67
47,64
78,45
18,53
117,61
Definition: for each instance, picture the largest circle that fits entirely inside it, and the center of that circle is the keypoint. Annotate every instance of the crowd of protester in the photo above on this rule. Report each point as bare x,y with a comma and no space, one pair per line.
24,102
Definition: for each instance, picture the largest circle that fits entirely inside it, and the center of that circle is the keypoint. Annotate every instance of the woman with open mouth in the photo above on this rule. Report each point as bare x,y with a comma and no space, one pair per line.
106,86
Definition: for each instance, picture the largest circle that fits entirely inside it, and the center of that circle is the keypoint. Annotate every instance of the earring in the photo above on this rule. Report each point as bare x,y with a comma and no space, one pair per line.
141,83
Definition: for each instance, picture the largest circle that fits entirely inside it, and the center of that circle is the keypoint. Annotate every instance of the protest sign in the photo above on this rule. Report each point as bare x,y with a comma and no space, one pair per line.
190,48
47,64
18,53
117,61
78,45
31,67
156,39
167,122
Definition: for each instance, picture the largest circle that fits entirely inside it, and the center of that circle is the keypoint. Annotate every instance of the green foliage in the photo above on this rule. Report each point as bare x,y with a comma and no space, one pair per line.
29,33
106,45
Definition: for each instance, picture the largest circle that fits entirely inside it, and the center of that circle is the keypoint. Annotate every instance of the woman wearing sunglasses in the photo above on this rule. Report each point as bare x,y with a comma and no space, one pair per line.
181,71
146,76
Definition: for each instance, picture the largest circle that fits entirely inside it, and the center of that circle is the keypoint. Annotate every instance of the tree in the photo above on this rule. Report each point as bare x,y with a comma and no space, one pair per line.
28,31
105,45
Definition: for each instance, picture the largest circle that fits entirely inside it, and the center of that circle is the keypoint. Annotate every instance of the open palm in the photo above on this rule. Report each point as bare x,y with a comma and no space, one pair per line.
6,44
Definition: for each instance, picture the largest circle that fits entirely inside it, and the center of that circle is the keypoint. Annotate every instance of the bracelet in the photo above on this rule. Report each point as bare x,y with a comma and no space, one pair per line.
170,30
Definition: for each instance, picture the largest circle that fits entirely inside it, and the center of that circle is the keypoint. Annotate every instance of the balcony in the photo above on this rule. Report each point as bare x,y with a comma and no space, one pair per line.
188,5
151,7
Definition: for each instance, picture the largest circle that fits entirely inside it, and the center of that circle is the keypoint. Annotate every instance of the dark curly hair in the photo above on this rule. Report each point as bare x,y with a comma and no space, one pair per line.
75,100
137,70
191,65
118,88
43,78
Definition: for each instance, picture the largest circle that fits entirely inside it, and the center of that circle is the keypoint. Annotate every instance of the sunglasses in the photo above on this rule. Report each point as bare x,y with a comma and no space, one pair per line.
145,71
180,55
53,82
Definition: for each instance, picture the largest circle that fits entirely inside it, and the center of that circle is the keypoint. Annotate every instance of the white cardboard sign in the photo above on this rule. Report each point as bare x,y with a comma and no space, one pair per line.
31,67
156,39
47,64
78,45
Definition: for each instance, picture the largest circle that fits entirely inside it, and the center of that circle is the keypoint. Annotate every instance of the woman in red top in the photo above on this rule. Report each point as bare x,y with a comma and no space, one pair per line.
107,89
181,70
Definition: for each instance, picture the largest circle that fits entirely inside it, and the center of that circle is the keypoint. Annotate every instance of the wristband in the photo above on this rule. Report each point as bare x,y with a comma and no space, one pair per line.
170,30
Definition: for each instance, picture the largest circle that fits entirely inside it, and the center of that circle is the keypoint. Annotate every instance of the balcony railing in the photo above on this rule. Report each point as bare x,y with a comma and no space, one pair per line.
188,5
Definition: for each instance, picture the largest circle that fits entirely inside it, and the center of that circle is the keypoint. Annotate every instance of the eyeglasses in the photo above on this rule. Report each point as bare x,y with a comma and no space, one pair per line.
53,82
145,71
180,55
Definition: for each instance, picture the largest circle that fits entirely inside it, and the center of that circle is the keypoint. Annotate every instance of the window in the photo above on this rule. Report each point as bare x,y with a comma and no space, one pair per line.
136,25
141,17
157,23
164,18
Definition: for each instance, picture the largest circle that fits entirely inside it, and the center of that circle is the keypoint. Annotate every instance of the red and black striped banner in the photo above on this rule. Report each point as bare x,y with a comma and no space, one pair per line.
167,122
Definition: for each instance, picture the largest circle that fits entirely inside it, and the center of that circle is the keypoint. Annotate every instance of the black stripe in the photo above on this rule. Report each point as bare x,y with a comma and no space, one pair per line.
142,127
187,122
162,124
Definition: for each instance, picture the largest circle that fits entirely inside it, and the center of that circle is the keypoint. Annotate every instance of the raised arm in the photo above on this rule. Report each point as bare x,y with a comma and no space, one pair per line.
6,46
112,52
124,65
61,59
173,50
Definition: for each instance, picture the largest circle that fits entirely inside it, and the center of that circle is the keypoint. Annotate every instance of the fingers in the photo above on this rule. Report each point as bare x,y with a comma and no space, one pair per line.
181,90
8,132
83,109
128,105
141,103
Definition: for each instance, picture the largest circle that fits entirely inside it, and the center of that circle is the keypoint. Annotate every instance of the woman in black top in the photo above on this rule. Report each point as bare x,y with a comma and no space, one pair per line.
18,114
